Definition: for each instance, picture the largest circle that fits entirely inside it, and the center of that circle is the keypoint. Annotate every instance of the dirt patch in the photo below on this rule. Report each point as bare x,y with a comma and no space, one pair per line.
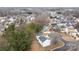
55,46
36,46
67,37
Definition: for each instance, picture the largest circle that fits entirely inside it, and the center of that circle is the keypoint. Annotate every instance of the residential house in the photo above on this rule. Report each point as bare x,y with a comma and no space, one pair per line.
43,41
77,20
30,18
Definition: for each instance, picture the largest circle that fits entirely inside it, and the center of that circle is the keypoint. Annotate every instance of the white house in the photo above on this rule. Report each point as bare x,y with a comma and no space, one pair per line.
30,18
11,20
2,20
77,20
65,30
43,41
52,13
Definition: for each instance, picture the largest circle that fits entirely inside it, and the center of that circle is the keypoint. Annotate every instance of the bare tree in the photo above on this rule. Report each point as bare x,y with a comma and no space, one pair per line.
42,19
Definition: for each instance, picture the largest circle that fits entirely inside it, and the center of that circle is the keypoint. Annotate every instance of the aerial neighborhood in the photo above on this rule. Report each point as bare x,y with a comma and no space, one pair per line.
39,29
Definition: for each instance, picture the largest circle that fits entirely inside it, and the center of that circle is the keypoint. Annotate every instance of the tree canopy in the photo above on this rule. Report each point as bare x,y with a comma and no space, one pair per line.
17,39
20,39
34,27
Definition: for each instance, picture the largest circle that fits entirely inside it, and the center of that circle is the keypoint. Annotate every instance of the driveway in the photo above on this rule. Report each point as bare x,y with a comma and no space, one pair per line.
36,46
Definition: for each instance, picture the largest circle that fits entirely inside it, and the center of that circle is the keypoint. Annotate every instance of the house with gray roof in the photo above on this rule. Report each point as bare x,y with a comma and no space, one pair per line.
43,41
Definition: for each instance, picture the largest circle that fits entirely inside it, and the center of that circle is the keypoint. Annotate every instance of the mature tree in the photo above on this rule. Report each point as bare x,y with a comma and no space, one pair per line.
20,38
42,19
34,28
17,39
62,26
